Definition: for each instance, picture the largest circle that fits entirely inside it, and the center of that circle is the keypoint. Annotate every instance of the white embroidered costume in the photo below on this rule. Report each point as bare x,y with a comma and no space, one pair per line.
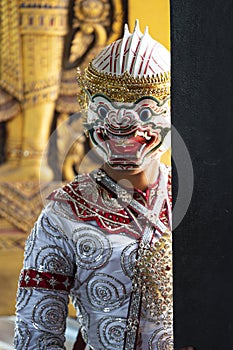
83,244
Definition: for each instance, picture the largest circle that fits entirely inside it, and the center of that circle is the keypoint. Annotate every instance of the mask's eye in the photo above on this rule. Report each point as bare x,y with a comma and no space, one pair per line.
145,114
102,111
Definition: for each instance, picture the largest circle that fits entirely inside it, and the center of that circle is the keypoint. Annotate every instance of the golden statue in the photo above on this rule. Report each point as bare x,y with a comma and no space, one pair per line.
31,60
37,38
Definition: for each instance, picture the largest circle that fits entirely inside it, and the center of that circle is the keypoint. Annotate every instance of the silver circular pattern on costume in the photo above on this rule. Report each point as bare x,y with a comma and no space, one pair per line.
49,228
22,336
105,292
50,342
93,248
23,297
162,339
30,242
49,314
128,258
53,259
111,332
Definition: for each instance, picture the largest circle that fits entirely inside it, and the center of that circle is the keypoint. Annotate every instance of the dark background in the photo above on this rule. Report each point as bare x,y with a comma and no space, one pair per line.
202,112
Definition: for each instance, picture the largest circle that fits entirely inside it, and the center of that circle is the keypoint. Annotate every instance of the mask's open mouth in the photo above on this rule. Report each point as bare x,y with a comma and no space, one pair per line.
127,148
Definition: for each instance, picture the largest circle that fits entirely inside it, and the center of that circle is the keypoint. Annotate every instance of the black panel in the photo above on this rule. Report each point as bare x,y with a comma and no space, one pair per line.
202,111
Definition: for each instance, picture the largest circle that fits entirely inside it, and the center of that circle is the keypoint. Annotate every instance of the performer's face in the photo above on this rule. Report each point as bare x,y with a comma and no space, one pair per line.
129,135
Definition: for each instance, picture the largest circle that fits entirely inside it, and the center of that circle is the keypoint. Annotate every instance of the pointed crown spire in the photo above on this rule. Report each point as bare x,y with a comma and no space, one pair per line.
133,66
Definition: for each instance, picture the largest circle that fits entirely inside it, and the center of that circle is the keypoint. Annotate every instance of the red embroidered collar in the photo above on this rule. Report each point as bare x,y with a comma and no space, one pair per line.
89,202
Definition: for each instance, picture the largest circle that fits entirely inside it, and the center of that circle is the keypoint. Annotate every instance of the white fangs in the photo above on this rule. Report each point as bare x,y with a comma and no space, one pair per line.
143,134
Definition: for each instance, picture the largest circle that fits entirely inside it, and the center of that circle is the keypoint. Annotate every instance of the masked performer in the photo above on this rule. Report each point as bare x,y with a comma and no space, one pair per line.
105,238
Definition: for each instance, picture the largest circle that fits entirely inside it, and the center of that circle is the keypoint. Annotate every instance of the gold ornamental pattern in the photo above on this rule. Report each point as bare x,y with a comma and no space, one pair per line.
153,276
122,88
32,37
11,64
21,202
94,24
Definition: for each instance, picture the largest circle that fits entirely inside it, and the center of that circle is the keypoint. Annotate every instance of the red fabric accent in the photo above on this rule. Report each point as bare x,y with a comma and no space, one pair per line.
93,211
35,279
86,210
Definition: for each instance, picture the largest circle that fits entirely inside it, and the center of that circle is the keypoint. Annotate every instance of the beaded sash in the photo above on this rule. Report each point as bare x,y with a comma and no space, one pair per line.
152,279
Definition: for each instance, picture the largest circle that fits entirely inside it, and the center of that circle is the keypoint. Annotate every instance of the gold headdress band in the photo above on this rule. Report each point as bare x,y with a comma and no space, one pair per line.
121,88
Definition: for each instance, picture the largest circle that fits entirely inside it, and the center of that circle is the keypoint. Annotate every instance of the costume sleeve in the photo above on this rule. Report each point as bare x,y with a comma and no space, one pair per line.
44,286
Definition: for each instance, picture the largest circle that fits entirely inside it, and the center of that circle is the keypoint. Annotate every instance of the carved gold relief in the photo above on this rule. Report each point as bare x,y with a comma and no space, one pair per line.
43,21
9,106
21,202
11,72
91,18
94,23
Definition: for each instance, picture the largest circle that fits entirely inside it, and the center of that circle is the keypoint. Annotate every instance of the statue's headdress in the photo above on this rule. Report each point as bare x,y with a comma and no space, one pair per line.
128,69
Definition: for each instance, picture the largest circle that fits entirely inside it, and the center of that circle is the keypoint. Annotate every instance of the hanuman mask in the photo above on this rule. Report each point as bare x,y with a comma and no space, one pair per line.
125,93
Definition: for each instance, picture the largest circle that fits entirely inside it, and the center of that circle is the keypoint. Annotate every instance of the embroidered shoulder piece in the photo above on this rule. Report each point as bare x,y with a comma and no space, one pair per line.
90,202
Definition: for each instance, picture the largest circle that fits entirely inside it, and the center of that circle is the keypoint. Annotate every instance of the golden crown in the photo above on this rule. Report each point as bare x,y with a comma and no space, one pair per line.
122,88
